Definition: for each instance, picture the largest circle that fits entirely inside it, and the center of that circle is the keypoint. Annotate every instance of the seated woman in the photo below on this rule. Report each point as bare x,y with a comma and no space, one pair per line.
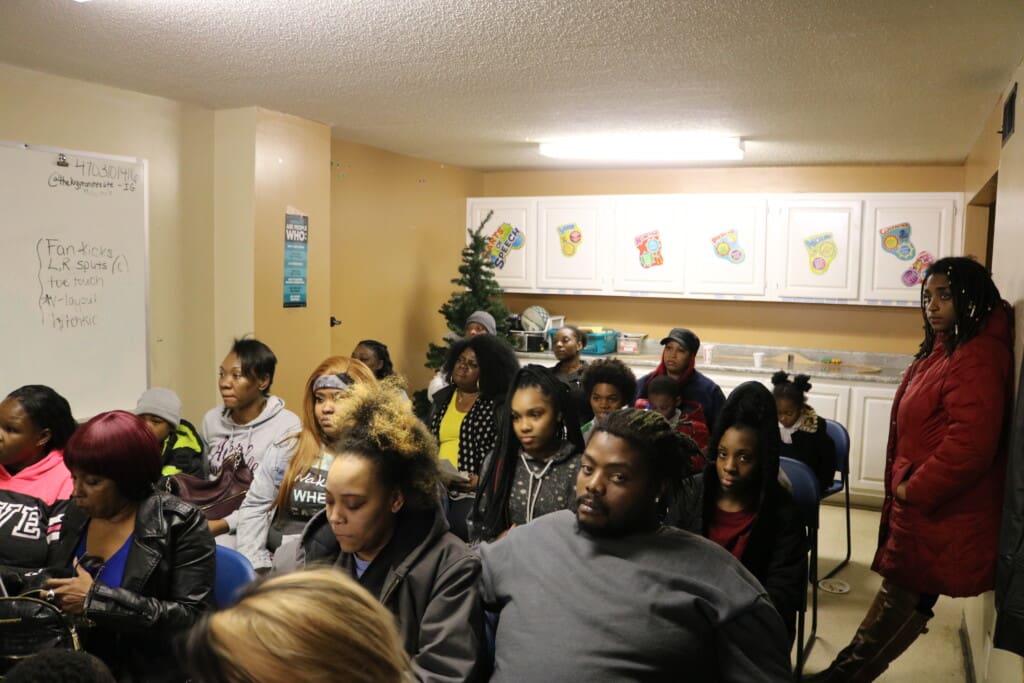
287,628
251,421
738,502
463,416
374,355
804,435
608,384
142,560
35,424
533,469
383,525
289,487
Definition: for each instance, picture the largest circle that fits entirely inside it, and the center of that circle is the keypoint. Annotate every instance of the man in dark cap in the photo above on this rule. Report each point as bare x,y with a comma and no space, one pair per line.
700,397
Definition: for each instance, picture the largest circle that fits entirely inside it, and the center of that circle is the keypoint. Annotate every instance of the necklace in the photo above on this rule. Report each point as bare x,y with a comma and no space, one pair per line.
464,400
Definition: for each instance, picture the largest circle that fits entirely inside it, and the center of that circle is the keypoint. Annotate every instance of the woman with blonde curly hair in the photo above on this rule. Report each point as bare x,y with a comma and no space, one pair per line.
383,525
288,488
291,628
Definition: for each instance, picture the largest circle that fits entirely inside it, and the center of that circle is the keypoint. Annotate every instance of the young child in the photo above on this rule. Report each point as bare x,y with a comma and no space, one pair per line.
180,445
738,502
802,431
664,397
608,385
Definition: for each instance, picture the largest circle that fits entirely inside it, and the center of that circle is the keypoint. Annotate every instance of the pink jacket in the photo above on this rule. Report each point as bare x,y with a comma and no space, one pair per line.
48,480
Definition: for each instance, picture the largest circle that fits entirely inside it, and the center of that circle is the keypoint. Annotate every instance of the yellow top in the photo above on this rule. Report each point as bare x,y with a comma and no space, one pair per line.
451,425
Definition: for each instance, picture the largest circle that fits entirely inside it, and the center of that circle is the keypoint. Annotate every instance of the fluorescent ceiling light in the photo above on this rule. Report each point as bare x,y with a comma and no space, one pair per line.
650,147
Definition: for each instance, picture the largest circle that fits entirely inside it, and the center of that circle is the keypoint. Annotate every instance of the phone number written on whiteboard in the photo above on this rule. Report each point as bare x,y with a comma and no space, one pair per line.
96,177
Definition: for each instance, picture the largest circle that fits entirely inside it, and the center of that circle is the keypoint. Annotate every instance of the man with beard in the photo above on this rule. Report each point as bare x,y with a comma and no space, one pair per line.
608,594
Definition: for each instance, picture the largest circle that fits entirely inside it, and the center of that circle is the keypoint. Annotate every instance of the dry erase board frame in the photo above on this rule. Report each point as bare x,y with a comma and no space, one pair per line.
74,254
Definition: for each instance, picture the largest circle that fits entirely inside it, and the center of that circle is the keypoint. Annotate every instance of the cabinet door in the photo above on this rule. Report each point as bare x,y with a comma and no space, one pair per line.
648,245
815,246
572,230
902,236
725,251
831,401
869,434
512,238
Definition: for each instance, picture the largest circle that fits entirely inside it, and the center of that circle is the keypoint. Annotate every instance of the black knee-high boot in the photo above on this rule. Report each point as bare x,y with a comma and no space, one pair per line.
890,626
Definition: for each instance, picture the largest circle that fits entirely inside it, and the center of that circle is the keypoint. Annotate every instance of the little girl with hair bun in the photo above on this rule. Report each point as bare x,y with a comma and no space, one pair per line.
803,432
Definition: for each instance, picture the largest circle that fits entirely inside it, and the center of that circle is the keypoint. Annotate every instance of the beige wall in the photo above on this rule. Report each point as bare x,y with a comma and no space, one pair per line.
859,328
398,227
177,140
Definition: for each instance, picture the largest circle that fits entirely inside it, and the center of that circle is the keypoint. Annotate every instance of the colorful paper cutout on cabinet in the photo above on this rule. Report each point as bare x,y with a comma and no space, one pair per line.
570,236
727,247
649,246
896,241
503,240
821,251
915,273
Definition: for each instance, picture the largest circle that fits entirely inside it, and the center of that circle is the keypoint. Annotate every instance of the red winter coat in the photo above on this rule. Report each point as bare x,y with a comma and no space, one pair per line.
947,441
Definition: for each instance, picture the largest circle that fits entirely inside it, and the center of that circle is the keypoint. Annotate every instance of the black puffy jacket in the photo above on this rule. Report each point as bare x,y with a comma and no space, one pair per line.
168,582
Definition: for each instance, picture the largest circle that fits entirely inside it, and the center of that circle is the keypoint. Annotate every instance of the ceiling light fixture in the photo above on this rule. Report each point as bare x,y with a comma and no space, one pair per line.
649,147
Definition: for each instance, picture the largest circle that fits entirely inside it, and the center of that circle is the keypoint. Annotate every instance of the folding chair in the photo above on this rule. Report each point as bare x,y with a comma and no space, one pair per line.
233,572
805,495
841,438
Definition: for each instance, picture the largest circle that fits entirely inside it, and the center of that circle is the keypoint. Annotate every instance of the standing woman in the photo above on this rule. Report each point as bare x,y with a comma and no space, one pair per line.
383,525
945,467
533,469
142,560
464,414
288,488
35,424
569,343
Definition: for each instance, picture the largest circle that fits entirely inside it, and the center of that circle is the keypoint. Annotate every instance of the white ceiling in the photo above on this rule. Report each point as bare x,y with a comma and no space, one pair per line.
471,82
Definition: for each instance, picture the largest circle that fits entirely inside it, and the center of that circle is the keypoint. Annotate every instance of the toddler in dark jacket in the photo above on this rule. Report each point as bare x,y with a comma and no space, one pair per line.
803,432
180,446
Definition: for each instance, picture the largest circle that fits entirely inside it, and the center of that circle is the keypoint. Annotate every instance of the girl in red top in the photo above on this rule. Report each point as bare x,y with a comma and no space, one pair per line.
945,467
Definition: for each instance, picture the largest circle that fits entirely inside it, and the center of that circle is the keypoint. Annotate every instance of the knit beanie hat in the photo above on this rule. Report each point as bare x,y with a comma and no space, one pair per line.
485,319
161,402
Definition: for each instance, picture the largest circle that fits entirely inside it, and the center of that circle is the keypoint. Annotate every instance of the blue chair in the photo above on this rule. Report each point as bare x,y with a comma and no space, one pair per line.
233,573
841,438
805,494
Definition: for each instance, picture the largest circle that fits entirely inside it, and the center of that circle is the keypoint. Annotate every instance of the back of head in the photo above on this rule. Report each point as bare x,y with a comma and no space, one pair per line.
66,666
257,360
378,424
119,446
316,626
48,410
751,406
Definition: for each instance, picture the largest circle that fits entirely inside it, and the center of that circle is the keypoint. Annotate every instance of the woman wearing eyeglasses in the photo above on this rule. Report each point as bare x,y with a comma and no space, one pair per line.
143,560
464,413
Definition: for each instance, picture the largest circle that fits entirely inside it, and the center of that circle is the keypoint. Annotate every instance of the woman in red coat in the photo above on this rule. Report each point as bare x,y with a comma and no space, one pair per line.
945,467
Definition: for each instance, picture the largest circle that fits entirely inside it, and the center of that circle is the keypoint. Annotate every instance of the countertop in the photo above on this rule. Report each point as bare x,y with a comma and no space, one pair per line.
856,366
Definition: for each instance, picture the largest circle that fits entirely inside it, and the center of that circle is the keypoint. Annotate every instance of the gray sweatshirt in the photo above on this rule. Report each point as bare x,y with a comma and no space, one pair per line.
224,436
658,606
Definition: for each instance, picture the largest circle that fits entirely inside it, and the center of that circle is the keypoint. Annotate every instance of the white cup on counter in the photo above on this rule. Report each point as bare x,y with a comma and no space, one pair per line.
708,350
758,359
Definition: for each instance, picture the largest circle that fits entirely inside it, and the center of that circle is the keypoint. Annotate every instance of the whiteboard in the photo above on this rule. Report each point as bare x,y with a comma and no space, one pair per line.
73,262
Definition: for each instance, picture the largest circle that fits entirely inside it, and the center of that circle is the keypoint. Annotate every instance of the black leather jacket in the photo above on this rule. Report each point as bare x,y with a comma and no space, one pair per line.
168,582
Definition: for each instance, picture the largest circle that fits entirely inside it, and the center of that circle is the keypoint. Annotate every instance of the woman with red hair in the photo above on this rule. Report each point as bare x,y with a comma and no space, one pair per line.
142,561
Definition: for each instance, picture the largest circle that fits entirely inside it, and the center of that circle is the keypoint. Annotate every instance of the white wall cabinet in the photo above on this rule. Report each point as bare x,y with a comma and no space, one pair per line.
574,234
817,246
513,238
726,236
837,248
902,236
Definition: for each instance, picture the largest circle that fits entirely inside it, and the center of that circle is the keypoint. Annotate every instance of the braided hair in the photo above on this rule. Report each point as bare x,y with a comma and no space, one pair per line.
490,509
667,452
975,296
794,390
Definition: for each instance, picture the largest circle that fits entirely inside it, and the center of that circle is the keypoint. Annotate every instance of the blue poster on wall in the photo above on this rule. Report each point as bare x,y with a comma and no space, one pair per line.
296,259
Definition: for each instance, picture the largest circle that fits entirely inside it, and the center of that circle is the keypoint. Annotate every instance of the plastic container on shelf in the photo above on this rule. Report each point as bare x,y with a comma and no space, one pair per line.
630,342
599,343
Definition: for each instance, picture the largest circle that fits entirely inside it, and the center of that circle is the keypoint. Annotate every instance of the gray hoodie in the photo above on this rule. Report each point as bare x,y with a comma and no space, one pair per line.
224,436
